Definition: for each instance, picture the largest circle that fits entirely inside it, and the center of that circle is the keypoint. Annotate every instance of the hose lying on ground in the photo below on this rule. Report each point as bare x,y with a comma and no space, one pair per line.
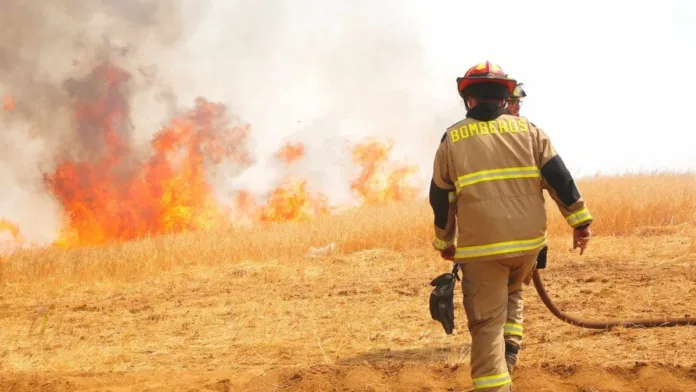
593,324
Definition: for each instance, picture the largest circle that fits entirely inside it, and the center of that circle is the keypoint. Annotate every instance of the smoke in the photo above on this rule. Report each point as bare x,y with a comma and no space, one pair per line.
325,74
46,54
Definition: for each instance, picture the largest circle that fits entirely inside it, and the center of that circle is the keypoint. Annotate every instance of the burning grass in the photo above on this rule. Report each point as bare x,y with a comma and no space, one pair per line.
111,192
127,202
664,206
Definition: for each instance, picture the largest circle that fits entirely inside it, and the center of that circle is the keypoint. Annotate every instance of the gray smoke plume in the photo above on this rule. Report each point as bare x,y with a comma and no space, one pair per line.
326,74
46,54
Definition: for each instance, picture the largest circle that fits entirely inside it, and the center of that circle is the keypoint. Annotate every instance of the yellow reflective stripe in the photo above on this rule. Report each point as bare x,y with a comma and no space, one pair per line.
499,248
492,381
513,329
452,197
497,174
442,245
579,217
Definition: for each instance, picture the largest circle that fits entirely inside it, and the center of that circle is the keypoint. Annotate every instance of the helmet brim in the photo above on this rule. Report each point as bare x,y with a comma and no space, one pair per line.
465,83
487,88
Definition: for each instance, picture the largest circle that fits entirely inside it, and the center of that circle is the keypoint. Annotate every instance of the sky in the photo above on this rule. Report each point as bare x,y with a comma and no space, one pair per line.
609,81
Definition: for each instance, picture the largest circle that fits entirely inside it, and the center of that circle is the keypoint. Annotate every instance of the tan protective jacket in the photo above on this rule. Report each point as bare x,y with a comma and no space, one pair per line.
487,183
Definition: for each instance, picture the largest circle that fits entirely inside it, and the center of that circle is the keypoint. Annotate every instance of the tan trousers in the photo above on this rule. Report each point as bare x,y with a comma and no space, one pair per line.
493,304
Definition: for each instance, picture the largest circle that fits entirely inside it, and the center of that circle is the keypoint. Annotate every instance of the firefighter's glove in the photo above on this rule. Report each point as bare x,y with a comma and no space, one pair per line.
442,299
541,258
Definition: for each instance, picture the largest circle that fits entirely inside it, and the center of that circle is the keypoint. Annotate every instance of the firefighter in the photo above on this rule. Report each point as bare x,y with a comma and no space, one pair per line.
513,341
514,101
486,194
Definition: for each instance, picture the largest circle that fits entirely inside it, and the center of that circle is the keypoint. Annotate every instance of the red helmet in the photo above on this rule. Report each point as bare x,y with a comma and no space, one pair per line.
493,77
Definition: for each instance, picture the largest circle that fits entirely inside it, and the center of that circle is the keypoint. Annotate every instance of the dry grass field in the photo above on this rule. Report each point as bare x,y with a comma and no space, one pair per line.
250,310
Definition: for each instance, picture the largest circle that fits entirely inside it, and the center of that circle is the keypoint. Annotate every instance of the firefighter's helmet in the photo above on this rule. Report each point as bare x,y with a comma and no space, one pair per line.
486,80
518,92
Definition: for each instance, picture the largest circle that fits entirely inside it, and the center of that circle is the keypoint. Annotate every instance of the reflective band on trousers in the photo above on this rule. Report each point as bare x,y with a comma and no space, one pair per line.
579,217
513,329
499,248
497,174
492,381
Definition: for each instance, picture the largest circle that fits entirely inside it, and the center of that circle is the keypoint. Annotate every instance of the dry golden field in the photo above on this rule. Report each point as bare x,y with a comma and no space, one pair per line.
250,310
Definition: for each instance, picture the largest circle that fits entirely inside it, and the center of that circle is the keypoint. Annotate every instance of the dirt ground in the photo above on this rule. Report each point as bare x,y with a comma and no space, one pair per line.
356,322
388,376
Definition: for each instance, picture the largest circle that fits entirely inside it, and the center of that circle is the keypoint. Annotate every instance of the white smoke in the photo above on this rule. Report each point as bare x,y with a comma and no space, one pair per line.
24,201
325,74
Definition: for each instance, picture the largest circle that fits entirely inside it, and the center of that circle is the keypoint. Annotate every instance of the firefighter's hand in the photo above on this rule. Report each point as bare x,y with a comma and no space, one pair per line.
581,237
448,254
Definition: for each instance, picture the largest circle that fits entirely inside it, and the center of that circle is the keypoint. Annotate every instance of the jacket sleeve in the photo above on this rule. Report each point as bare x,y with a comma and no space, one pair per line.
560,184
443,200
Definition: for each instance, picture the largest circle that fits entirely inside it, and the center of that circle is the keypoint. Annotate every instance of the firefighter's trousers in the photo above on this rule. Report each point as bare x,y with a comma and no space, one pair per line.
492,292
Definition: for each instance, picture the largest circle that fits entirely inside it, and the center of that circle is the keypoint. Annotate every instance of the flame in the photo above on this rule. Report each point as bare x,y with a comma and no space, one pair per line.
291,201
377,183
11,228
117,198
114,194
9,244
9,103
290,152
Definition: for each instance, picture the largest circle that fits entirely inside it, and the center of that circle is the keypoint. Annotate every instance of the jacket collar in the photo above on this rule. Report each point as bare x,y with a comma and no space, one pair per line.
485,112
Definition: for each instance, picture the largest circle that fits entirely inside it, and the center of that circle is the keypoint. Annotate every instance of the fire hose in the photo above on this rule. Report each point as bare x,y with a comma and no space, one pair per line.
597,324
441,308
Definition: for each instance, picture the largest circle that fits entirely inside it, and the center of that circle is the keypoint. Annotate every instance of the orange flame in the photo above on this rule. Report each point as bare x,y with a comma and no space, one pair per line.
292,202
377,184
11,244
9,103
114,196
290,152
11,228
115,199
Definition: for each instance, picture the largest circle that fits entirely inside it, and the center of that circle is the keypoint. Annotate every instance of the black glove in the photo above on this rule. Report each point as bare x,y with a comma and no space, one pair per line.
541,258
442,299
